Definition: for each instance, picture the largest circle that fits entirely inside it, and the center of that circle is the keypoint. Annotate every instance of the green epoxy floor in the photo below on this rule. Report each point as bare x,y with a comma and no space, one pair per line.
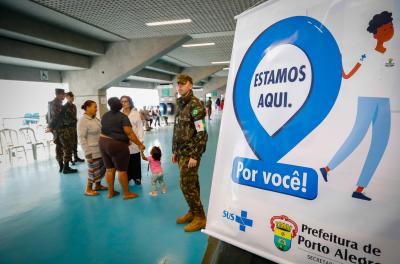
45,218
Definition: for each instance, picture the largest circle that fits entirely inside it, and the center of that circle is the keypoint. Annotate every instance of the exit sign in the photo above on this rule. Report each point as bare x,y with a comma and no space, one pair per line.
165,92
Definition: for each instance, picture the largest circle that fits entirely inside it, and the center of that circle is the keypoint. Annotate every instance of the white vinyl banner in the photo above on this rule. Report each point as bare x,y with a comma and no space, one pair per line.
307,167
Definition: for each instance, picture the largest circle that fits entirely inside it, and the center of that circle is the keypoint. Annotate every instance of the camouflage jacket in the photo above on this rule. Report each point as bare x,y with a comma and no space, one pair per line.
69,115
190,134
55,114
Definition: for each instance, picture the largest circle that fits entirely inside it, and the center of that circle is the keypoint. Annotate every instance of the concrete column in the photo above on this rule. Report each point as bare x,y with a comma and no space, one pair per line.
121,60
102,98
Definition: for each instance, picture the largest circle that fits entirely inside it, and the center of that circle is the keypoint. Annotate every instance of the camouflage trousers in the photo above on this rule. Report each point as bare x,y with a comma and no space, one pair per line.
75,148
64,138
189,181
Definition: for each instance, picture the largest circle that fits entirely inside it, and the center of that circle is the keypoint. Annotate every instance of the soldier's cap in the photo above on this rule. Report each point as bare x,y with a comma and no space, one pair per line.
60,91
70,94
183,79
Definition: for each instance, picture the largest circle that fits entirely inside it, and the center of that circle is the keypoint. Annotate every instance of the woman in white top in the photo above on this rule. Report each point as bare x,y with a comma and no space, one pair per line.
134,168
89,128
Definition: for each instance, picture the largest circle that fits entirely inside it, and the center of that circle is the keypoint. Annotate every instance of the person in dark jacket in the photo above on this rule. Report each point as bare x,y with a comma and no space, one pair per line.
116,135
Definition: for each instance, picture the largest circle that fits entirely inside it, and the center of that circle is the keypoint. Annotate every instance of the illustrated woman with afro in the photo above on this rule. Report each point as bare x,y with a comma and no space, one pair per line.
373,111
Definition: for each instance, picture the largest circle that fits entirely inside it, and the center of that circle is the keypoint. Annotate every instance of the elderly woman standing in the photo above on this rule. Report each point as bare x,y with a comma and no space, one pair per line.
134,167
89,129
116,135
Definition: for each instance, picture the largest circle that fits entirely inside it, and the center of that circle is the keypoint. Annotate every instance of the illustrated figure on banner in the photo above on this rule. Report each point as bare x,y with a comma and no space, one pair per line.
371,110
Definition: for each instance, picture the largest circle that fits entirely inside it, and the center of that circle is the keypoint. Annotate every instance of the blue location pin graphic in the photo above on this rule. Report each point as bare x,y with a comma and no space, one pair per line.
322,51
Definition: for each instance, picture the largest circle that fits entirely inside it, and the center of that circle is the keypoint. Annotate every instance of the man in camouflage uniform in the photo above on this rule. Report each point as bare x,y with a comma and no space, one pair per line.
71,115
188,144
61,133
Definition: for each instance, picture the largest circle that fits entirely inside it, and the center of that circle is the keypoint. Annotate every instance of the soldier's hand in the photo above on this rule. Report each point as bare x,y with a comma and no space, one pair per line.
173,159
192,163
48,130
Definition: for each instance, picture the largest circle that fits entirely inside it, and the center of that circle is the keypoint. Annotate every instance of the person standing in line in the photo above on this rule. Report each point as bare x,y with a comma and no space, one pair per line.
209,108
149,117
144,117
134,167
217,104
188,144
164,115
157,115
89,128
153,116
71,110
116,133
62,137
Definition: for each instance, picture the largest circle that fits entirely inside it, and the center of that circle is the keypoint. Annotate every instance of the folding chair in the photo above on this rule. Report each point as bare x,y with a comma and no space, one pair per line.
30,139
11,143
2,149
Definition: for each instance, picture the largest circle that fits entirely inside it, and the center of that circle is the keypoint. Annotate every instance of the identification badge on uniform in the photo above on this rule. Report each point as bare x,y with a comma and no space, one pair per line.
195,112
200,125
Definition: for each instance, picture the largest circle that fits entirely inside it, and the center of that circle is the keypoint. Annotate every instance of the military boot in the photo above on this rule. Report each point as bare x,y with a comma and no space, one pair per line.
67,169
198,223
61,164
77,159
188,217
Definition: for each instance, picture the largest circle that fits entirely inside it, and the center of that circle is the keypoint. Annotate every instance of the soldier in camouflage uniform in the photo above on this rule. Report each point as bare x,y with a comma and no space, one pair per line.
67,134
62,136
71,115
188,144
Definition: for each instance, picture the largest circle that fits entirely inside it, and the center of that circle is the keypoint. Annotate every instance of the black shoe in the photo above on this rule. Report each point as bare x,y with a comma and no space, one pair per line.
61,164
77,159
67,169
324,174
361,196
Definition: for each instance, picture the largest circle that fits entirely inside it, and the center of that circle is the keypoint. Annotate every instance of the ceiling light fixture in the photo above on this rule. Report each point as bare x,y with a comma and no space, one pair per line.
169,22
198,45
225,69
220,62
